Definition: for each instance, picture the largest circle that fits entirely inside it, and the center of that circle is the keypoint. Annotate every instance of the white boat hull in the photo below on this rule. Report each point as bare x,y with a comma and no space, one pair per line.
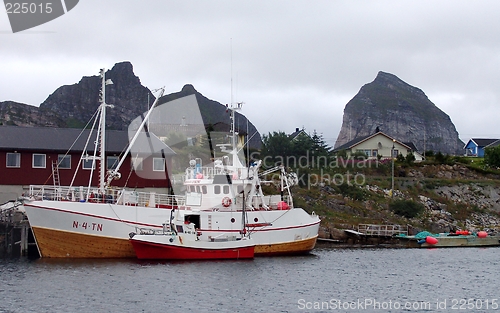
65,229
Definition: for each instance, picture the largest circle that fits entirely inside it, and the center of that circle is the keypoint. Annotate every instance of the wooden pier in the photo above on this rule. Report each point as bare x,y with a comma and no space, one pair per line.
16,237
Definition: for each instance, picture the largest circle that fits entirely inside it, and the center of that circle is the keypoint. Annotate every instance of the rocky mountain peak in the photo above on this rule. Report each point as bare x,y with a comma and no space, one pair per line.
401,111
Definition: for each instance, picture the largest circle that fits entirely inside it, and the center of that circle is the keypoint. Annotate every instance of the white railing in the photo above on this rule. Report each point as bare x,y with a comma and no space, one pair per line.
115,196
382,230
210,172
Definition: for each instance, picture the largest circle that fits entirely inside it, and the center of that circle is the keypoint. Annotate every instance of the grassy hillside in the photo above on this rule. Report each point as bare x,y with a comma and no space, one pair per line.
444,194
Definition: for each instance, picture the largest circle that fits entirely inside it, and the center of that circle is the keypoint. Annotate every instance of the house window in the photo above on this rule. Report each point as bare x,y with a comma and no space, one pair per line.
38,160
374,153
87,164
64,161
395,153
13,160
137,164
158,164
111,162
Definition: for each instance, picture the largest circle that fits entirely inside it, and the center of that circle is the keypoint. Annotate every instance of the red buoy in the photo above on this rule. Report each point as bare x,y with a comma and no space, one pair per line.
482,234
282,205
431,240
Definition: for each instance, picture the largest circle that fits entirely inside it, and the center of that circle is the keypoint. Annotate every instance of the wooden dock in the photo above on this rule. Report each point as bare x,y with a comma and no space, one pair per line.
16,237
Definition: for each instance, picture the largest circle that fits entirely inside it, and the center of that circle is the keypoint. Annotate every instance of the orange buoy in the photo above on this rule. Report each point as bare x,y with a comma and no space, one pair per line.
482,234
431,240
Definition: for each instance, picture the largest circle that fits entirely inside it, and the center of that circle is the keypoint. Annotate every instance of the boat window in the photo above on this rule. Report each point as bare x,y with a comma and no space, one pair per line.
239,189
204,189
180,229
225,190
217,189
198,189
191,188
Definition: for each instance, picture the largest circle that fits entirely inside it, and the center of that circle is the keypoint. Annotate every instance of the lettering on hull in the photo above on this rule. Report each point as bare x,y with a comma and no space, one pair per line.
85,225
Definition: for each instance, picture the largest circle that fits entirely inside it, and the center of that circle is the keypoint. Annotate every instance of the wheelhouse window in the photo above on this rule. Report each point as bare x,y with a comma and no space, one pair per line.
111,162
158,164
64,161
13,160
225,190
38,160
217,189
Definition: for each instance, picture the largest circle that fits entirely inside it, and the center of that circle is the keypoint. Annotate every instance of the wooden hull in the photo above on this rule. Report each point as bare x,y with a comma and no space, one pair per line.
163,251
287,248
62,244
454,241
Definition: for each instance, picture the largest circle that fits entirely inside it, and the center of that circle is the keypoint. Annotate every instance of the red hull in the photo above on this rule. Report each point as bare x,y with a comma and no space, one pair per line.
150,251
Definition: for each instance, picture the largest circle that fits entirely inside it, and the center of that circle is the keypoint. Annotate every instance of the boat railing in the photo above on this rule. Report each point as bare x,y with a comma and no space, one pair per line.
112,195
271,201
208,172
382,230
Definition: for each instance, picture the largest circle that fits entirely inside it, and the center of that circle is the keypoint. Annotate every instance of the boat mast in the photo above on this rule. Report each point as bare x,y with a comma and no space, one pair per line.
102,139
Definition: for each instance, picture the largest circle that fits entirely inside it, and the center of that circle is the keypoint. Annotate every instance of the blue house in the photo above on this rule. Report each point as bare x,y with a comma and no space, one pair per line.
475,146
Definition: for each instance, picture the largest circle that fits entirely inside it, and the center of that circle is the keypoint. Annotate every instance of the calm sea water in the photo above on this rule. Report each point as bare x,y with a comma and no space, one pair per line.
327,280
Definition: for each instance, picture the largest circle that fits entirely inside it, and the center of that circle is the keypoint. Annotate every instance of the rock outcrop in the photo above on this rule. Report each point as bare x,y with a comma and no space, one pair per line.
401,111
75,104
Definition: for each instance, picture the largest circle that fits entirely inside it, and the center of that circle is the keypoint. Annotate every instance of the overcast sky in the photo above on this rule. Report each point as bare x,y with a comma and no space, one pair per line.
294,63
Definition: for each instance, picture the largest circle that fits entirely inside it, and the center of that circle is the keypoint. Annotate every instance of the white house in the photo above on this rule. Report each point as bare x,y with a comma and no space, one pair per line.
380,145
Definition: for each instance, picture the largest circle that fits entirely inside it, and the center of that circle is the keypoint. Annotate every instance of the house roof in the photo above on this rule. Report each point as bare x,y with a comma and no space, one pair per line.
62,139
356,141
297,132
481,142
411,145
494,143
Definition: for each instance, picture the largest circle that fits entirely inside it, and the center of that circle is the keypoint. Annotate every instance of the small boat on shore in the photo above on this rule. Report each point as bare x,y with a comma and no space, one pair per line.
181,241
450,240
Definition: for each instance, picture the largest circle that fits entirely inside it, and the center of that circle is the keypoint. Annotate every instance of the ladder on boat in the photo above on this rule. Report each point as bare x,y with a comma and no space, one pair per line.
55,174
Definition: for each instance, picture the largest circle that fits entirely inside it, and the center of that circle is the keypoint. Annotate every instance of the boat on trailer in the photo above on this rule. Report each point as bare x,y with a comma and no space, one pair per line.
94,222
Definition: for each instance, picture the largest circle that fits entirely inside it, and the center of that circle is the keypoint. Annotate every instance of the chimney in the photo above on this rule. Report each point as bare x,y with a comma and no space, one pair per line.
297,129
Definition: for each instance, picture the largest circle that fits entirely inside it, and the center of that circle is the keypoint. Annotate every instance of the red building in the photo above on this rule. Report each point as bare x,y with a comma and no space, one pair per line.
30,156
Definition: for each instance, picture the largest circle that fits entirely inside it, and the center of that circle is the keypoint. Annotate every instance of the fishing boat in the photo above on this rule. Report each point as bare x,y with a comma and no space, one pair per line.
180,240
449,240
94,221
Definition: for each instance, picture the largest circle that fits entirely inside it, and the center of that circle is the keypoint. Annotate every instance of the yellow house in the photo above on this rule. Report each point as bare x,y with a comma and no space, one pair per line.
379,145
